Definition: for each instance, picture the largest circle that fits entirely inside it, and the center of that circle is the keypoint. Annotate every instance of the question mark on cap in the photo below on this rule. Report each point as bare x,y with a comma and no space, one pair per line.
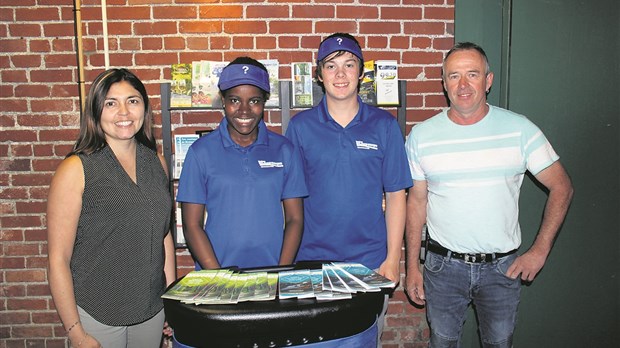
245,69
339,39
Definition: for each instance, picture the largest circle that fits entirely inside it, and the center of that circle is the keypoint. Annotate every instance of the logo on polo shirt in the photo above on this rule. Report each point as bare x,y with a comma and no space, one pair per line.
267,164
366,146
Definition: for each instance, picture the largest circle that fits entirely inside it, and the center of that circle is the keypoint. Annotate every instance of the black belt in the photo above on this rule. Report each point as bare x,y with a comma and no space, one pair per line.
470,258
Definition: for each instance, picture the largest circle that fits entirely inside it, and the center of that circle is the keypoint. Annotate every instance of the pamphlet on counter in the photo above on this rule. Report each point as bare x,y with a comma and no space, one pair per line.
334,281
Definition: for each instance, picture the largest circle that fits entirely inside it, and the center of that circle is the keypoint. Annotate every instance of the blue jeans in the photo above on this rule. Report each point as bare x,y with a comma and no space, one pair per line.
451,285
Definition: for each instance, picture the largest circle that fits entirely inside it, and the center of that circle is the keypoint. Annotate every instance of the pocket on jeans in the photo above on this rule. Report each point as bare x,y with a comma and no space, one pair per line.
504,263
433,263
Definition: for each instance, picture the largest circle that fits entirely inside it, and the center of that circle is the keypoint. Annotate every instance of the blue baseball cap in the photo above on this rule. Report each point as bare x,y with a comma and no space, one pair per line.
339,43
234,75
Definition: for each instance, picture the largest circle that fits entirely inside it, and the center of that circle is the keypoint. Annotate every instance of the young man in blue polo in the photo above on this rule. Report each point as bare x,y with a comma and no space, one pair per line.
249,179
353,154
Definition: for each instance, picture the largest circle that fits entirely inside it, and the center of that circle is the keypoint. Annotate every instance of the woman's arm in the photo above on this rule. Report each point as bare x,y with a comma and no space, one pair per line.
293,229
64,205
170,266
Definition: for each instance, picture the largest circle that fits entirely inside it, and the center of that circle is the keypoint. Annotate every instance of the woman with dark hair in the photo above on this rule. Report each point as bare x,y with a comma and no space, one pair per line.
111,255
249,179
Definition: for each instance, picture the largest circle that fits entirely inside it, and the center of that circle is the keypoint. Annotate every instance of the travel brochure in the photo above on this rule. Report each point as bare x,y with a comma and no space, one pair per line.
334,281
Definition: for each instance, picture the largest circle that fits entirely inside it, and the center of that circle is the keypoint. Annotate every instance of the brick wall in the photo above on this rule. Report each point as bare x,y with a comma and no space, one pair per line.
39,104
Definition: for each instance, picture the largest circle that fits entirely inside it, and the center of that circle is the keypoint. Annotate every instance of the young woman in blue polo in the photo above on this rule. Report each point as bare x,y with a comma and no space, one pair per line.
250,181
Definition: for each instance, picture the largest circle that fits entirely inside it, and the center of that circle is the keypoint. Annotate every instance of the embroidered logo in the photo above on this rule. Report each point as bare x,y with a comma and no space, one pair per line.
266,164
366,146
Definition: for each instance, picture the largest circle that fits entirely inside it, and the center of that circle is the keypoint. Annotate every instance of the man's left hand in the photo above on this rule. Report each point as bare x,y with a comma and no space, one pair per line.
527,265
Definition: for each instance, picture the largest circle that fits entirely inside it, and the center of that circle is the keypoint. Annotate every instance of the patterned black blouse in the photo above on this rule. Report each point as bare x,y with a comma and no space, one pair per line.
118,256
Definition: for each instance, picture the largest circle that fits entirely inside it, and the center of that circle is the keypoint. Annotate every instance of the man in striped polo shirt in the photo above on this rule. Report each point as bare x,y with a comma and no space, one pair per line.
468,163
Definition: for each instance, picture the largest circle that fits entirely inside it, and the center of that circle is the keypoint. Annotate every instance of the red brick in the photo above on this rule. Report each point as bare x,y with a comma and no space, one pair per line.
12,194
380,27
267,11
32,331
221,11
155,58
130,44
36,91
200,27
197,43
51,75
37,290
13,318
244,42
50,317
264,43
219,42
13,46
58,30
28,30
159,27
21,221
152,43
421,57
122,13
357,12
64,45
34,235
26,61
30,207
43,150
377,42
37,14
288,42
42,46
174,43
245,27
57,135
292,26
315,12
13,276
401,12
424,28
174,12
438,13
311,42
340,26
14,105
51,105
287,57
12,262
148,2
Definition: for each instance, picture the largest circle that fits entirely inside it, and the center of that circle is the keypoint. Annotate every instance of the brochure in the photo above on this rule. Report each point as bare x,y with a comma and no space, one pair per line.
295,284
301,74
367,84
273,68
182,142
190,285
386,79
181,85
367,277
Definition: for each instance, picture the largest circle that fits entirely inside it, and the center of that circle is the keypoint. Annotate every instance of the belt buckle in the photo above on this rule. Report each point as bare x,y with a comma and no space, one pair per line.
474,258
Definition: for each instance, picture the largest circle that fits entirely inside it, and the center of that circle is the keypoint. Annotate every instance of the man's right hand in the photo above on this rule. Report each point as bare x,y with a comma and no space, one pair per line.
415,286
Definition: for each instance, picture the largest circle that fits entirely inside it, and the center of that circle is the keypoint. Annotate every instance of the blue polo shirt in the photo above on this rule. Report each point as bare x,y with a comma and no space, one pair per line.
242,189
347,171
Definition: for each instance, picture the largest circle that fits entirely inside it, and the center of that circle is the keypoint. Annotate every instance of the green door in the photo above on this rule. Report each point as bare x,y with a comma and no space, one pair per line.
559,64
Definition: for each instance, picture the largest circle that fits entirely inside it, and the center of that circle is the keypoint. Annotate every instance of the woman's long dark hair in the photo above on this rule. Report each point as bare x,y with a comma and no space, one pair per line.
91,136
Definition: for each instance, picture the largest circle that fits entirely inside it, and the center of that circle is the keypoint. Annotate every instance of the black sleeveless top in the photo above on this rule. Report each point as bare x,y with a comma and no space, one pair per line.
118,256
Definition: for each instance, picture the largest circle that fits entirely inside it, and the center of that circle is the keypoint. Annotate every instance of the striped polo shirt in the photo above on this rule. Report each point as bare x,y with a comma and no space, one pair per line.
474,175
